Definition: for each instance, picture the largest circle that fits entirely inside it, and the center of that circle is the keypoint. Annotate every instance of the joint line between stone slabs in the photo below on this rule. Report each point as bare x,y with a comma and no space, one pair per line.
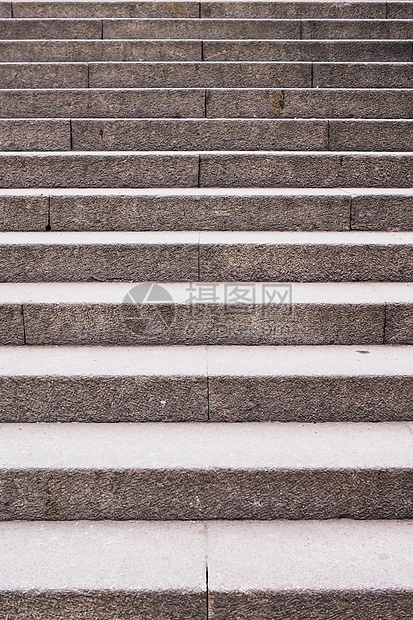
387,11
328,135
206,570
351,214
199,9
11,9
385,322
23,324
48,225
199,171
71,134
101,28
411,55
202,51
206,101
87,65
312,75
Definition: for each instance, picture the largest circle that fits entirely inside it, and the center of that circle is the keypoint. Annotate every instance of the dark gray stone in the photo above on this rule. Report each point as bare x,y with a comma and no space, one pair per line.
5,9
399,323
201,75
46,75
305,170
36,135
120,399
89,103
382,212
353,29
371,135
362,75
51,29
321,51
11,324
147,9
96,261
86,51
310,399
236,210
99,170
23,212
200,29
205,135
309,103
399,10
297,10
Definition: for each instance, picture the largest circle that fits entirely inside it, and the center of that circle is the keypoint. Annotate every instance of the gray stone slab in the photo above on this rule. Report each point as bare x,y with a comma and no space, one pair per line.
51,29
311,384
362,75
83,51
392,211
20,212
305,170
5,9
110,8
201,29
298,10
54,257
357,29
135,384
370,135
102,313
89,103
399,10
187,471
399,312
302,257
321,51
11,324
200,209
310,569
151,570
308,103
46,75
201,75
66,169
206,134
36,135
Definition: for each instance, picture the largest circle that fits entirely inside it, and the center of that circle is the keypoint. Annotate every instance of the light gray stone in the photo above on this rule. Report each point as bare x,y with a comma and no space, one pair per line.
46,75
98,170
86,51
89,103
205,135
200,75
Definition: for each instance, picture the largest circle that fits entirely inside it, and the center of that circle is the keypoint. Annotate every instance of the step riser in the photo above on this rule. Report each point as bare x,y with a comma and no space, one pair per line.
33,494
206,135
211,263
198,399
325,51
206,75
212,103
206,170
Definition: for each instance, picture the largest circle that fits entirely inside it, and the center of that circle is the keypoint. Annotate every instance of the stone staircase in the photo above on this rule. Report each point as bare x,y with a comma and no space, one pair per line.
206,332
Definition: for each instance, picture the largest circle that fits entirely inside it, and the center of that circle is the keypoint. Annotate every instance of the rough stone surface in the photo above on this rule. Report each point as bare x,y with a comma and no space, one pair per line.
200,209
227,169
309,103
46,75
205,75
5,9
98,170
384,212
98,50
371,135
322,51
201,29
207,134
362,75
36,135
11,324
51,29
23,212
353,29
113,8
302,9
89,103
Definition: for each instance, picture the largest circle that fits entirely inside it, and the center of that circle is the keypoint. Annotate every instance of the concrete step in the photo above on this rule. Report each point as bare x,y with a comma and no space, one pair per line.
69,50
206,75
161,9
213,103
205,134
116,313
206,209
206,256
50,29
151,169
195,470
217,384
181,570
